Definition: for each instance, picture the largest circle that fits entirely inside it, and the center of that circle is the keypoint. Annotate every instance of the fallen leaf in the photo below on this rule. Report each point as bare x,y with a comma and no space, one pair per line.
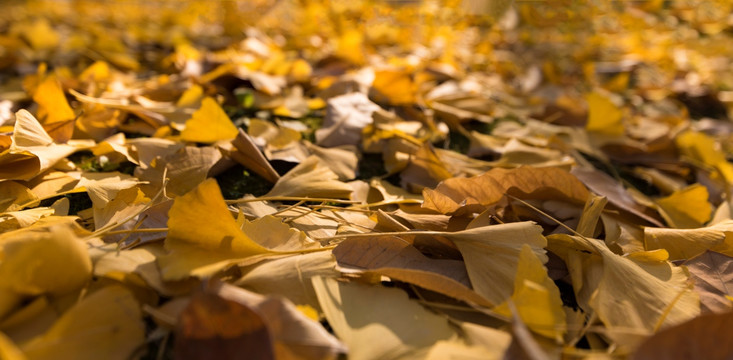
213,326
536,297
363,316
712,274
203,237
32,150
397,259
688,243
603,115
105,325
53,107
209,124
492,253
294,335
704,337
346,116
310,179
289,277
62,262
462,195
686,208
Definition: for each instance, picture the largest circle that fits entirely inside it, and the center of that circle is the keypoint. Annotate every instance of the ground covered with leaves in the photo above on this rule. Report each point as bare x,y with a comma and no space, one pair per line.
366,179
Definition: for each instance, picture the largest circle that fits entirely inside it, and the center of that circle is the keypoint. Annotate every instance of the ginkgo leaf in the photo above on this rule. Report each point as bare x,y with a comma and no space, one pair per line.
294,335
397,259
536,297
103,187
363,316
395,87
686,208
17,219
688,243
61,261
713,276
32,150
13,195
272,234
633,298
134,265
209,124
476,193
250,156
185,168
216,327
702,147
52,101
346,116
492,253
603,115
704,337
289,277
311,179
202,235
105,325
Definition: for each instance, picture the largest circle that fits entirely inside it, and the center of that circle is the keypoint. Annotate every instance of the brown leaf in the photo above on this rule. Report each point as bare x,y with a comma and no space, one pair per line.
212,327
397,259
712,273
604,185
705,337
466,195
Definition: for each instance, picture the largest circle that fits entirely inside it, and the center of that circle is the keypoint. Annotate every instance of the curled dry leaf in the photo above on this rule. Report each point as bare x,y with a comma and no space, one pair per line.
688,243
311,179
466,195
712,274
32,150
397,259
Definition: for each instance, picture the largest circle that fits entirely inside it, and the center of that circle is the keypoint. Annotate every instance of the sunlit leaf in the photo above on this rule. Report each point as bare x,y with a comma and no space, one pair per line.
209,124
106,324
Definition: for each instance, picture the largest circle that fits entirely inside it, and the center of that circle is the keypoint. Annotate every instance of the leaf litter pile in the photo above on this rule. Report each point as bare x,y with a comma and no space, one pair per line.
365,179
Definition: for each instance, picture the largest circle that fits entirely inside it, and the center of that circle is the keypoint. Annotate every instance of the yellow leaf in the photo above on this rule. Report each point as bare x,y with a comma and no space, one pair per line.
687,208
105,325
603,115
191,97
203,234
536,297
301,71
350,46
13,195
209,124
704,148
394,86
96,72
40,34
8,350
52,102
688,243
52,261
492,253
